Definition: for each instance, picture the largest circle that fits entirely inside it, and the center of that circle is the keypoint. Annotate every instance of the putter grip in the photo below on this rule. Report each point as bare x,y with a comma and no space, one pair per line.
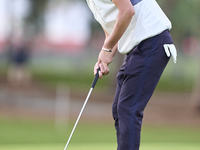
96,78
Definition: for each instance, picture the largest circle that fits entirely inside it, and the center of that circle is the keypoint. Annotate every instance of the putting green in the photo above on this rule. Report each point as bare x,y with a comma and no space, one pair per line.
107,146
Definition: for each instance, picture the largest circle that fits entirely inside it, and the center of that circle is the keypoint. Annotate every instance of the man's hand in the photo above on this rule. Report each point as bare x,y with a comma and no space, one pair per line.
105,58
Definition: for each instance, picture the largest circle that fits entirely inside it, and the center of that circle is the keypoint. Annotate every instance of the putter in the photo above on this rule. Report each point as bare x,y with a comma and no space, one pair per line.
86,100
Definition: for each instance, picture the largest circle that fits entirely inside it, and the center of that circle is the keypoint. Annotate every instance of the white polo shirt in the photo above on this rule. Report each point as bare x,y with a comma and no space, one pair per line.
148,21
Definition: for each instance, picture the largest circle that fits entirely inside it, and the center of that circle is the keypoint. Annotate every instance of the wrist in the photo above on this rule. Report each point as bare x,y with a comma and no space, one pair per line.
105,49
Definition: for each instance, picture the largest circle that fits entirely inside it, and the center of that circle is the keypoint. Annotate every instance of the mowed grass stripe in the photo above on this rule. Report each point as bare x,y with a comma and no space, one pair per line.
102,146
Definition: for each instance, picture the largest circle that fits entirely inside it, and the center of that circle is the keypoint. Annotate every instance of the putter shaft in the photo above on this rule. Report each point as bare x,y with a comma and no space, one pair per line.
83,107
79,116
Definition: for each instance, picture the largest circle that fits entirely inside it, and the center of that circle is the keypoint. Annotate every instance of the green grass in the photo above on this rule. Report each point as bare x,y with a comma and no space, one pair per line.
98,146
43,135
161,134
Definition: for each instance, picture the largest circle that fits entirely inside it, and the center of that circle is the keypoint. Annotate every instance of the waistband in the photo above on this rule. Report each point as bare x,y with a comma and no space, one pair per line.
165,33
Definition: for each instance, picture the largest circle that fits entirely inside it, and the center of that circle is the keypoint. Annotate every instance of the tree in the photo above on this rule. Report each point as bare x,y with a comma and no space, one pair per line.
35,20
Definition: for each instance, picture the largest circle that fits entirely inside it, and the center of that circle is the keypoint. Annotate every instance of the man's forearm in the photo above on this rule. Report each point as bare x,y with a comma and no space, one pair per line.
114,50
126,12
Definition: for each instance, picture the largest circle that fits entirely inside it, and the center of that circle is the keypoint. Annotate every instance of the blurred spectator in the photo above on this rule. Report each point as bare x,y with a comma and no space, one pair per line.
18,73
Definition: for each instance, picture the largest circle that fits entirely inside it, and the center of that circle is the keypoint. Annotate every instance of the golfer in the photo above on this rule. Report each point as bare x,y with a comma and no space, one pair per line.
140,30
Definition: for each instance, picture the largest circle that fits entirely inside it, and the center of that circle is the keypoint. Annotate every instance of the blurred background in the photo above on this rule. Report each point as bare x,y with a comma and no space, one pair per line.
47,52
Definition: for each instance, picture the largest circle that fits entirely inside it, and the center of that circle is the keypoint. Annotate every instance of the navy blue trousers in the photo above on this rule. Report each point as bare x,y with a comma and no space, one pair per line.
136,82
